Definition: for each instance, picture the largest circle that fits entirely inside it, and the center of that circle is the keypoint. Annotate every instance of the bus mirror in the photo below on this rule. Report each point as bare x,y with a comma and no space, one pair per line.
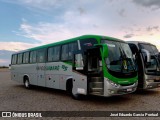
148,56
105,50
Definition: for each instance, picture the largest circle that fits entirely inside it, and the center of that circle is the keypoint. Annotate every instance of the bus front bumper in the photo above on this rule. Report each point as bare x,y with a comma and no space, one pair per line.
151,82
111,89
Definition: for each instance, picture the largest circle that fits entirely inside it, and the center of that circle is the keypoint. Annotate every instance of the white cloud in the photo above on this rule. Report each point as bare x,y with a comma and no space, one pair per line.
104,17
15,46
148,3
74,24
84,24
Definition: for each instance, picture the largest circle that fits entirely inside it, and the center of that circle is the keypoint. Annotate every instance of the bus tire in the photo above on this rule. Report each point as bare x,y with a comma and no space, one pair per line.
76,96
26,82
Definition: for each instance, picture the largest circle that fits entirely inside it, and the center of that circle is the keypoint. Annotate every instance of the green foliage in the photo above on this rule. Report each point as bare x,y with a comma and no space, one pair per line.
1,67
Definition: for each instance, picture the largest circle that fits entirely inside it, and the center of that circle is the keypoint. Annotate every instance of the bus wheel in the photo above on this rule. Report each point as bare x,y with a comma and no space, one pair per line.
26,83
77,96
69,87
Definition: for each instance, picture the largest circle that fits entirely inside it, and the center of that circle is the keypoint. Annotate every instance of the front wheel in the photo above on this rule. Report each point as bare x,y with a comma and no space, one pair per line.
69,87
77,96
26,83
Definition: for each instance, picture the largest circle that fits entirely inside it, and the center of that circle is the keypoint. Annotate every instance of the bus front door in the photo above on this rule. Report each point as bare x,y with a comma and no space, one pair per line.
94,72
87,73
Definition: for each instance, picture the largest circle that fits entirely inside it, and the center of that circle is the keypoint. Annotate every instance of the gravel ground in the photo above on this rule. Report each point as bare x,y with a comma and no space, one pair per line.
14,97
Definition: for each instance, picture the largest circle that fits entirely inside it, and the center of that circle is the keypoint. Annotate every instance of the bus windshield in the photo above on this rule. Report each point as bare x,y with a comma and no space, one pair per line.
120,58
151,48
154,56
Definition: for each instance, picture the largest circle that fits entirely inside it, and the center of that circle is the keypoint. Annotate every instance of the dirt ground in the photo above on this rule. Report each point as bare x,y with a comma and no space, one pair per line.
14,97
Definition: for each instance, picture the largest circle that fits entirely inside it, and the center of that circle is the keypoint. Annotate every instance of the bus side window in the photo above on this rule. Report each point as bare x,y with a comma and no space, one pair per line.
19,58
72,47
134,48
64,54
26,57
41,56
33,57
14,59
67,51
54,53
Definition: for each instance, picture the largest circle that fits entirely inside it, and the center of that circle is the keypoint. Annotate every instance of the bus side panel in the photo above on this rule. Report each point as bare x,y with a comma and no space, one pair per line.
27,70
52,75
31,70
66,70
41,74
14,73
56,75
20,71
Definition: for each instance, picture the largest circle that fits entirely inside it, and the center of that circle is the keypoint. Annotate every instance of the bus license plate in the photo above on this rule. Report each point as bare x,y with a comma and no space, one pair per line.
129,89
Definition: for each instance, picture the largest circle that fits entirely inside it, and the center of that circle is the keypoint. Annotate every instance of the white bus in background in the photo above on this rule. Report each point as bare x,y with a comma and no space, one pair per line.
148,61
86,65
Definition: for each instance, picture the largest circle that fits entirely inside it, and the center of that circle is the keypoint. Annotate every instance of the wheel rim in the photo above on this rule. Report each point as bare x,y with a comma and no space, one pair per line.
26,83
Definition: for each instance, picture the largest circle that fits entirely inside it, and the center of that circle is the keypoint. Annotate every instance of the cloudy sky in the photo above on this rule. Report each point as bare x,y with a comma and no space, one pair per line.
29,23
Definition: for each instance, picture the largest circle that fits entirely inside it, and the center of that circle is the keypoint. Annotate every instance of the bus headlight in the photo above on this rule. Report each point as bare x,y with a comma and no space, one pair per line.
113,83
150,80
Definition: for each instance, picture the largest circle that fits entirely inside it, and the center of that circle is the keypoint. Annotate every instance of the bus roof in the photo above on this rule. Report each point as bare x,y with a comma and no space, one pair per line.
140,42
71,40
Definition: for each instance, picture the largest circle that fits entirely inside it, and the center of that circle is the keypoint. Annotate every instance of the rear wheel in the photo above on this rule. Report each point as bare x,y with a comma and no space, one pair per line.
26,83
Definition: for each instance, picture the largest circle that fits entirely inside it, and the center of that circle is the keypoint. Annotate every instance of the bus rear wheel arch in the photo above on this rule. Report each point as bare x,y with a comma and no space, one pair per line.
69,86
26,82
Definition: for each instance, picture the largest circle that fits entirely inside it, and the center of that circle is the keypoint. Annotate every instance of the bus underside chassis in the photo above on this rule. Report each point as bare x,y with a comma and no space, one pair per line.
88,78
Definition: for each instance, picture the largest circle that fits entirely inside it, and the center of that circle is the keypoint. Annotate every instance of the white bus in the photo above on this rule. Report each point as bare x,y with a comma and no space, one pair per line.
85,65
148,60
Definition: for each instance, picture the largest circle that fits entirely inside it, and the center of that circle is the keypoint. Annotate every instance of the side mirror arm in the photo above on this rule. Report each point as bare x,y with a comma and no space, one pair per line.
147,53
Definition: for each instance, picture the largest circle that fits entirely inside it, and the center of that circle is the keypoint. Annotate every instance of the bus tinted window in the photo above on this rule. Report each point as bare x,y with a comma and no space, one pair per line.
87,43
14,59
20,58
53,53
26,57
41,56
133,47
64,55
67,50
72,47
33,56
